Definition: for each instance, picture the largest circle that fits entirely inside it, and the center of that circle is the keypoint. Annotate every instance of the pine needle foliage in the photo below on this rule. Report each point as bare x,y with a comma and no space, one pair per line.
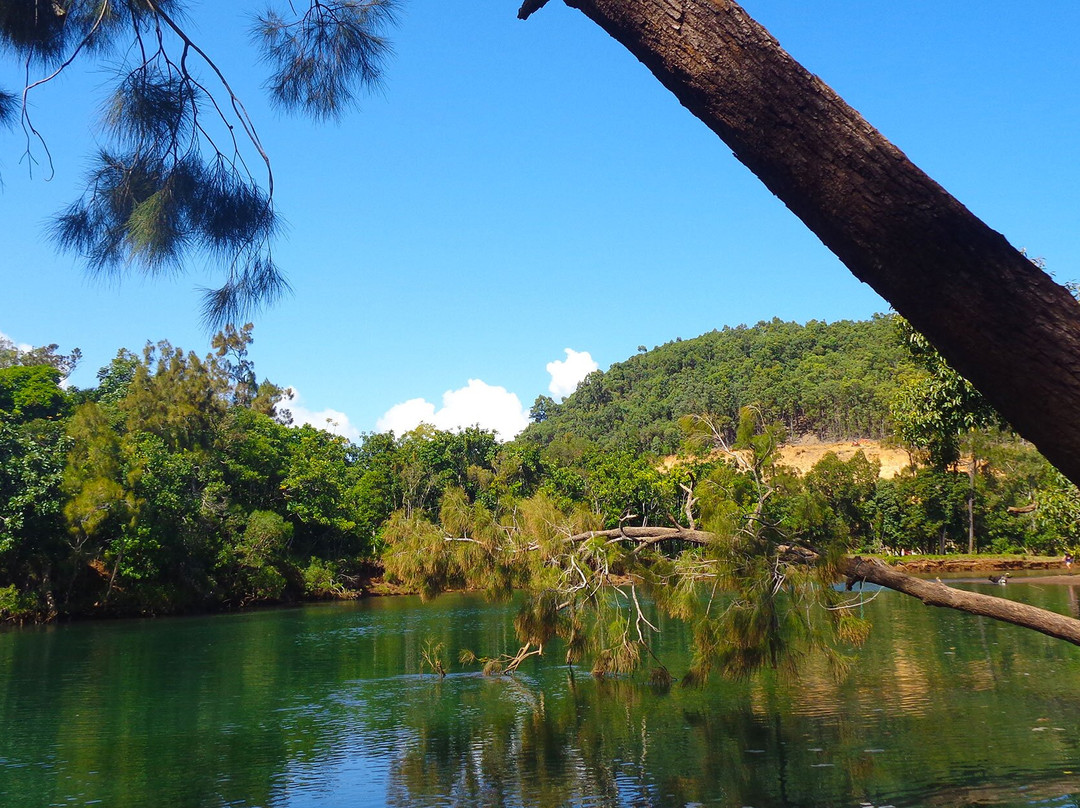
44,33
9,109
322,57
176,186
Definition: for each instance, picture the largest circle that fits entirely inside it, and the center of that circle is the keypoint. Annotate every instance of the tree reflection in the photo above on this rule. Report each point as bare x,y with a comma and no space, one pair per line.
330,706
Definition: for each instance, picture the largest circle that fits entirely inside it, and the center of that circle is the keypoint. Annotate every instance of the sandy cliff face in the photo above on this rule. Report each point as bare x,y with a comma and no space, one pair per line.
804,454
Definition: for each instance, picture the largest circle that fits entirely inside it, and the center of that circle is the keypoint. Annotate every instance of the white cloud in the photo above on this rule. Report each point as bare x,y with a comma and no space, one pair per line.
485,405
20,346
567,373
331,420
406,416
478,403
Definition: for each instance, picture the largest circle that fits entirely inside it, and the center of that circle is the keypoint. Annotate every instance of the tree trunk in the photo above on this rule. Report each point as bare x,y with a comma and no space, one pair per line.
998,319
971,502
938,594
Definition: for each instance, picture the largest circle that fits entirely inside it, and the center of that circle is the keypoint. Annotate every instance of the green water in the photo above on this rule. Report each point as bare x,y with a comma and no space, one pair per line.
329,706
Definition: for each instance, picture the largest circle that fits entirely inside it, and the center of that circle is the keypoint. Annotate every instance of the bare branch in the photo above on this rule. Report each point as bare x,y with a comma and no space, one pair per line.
529,7
238,107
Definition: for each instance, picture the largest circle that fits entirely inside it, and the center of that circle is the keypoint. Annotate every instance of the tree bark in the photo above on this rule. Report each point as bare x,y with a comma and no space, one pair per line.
999,320
937,594
971,503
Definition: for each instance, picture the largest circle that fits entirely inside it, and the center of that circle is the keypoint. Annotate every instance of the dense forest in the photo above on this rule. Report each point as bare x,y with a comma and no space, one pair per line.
177,484
830,380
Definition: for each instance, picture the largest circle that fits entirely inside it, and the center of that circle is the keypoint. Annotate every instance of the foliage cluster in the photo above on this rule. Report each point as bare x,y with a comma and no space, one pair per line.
176,178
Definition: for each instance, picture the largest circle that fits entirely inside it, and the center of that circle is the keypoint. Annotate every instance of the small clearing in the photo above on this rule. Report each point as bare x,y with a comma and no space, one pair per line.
804,454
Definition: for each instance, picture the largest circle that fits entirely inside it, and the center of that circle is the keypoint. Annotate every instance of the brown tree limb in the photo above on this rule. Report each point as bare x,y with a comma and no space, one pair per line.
647,535
933,593
1024,509
529,7
998,319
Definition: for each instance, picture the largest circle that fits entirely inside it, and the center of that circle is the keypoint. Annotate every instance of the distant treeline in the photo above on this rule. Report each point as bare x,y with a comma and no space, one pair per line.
176,484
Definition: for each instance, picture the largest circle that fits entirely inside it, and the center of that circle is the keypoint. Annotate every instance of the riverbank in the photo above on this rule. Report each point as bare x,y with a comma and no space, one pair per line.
374,584
932,564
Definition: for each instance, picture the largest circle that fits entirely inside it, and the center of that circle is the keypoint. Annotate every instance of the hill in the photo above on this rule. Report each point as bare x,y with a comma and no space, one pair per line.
831,381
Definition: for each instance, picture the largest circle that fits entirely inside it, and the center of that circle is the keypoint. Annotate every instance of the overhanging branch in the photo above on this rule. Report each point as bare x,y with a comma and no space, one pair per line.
931,593
874,571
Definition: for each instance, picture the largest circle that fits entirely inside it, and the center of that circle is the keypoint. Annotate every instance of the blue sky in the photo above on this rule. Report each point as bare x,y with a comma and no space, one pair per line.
519,189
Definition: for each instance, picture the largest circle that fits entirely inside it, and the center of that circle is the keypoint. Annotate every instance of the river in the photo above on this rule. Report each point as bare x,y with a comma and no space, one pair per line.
331,705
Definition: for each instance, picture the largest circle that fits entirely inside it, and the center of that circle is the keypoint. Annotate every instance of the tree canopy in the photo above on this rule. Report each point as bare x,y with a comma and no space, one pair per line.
829,380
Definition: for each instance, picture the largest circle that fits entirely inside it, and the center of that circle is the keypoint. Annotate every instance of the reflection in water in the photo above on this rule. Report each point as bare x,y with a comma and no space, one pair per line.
1074,600
329,706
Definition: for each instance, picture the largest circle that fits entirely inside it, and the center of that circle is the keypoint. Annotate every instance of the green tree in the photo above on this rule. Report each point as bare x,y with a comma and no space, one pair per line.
260,554
29,392
31,519
101,504
941,411
176,396
231,352
11,356
319,490
541,409
847,489
114,380
937,408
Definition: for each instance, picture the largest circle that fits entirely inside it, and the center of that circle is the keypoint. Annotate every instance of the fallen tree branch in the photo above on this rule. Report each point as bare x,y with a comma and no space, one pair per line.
877,572
933,593
1024,509
645,536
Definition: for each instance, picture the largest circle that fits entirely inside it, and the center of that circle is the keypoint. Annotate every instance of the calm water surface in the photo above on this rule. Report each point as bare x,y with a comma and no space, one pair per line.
329,706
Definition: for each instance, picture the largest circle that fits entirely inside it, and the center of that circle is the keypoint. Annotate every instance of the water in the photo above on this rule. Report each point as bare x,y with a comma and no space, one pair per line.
330,706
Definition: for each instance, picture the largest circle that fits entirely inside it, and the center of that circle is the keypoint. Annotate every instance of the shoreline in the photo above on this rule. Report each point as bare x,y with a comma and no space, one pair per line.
922,565
375,586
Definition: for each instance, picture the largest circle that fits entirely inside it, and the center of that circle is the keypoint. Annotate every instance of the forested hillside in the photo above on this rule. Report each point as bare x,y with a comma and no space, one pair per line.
833,380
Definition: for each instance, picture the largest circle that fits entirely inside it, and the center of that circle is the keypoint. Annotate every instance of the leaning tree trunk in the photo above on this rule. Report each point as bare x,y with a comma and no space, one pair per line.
998,319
